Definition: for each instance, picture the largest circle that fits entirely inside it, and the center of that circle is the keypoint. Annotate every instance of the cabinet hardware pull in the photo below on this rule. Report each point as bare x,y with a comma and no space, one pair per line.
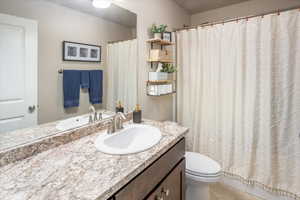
166,192
159,198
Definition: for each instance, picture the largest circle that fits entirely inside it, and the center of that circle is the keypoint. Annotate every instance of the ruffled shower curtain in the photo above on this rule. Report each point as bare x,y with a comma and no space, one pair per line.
239,93
122,74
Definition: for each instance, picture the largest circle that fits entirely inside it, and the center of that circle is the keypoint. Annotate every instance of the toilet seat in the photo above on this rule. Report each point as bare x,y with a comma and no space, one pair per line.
199,179
201,166
201,174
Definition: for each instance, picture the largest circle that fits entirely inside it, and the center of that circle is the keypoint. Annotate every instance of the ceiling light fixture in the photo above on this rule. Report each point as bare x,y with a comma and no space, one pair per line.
101,3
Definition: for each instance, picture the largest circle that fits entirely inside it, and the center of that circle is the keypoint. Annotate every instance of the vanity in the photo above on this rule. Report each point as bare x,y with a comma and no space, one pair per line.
76,169
163,179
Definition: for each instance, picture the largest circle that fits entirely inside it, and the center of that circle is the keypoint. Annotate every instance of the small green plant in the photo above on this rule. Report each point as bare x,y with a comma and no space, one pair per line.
158,29
168,68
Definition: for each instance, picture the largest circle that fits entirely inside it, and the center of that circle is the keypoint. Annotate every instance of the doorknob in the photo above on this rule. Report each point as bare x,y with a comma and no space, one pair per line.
31,109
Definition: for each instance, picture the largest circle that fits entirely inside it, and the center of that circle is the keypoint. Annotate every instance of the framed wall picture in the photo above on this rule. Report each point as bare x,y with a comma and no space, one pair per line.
73,51
167,36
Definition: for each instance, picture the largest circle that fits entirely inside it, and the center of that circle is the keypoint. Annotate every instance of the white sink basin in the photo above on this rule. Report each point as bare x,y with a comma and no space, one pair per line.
132,139
75,122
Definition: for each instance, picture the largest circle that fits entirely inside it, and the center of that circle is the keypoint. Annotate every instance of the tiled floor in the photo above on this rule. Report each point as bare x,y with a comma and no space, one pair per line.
221,191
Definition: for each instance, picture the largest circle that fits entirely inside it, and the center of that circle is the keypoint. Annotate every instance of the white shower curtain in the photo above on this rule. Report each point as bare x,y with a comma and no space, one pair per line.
122,74
239,93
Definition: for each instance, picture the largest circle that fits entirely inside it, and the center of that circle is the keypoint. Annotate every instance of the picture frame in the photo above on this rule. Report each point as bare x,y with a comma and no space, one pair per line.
167,36
74,51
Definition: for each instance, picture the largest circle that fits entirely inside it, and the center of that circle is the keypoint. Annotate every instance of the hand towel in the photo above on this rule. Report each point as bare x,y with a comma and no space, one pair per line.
71,88
96,86
85,79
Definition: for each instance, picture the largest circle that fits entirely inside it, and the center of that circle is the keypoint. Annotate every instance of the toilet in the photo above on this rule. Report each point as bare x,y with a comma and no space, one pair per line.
200,172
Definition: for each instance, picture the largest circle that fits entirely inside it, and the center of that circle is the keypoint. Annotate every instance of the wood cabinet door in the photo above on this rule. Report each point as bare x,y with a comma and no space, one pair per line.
140,187
173,186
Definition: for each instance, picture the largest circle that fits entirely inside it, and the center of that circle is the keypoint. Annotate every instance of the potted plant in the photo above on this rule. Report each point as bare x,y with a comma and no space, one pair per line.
168,68
164,72
158,30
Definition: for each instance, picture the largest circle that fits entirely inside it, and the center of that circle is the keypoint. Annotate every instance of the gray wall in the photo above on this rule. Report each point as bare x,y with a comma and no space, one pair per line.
253,7
55,24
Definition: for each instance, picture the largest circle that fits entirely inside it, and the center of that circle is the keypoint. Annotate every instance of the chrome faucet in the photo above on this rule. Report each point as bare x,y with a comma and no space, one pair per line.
94,115
116,123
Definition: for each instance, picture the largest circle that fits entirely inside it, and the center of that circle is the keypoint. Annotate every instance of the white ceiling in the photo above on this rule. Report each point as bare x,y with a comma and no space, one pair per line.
113,13
195,6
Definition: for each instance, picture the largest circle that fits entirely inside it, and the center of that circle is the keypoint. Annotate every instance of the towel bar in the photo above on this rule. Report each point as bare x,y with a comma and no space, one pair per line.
60,71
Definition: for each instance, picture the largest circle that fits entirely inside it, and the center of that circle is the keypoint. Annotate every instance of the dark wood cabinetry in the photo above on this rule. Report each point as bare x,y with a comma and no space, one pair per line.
172,187
164,179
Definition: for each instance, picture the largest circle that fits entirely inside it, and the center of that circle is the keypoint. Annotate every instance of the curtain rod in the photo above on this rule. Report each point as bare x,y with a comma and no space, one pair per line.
111,42
236,19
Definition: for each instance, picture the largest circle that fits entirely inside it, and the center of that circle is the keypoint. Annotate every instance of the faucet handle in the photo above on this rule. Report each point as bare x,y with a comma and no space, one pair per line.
123,116
95,116
120,116
100,116
110,128
90,119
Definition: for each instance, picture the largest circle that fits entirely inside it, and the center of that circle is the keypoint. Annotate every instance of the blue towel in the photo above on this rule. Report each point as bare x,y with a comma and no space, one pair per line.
71,88
85,79
96,86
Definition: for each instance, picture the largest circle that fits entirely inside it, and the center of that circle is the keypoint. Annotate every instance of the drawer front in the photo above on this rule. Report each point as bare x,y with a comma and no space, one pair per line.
145,182
173,187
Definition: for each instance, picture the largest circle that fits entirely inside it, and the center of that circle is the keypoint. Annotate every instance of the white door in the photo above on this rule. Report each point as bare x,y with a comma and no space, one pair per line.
18,73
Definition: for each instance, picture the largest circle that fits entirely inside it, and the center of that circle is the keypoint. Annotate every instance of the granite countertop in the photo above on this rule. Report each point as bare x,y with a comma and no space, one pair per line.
77,170
22,136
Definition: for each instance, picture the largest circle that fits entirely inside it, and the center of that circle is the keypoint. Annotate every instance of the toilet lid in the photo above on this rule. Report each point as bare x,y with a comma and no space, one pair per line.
199,164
